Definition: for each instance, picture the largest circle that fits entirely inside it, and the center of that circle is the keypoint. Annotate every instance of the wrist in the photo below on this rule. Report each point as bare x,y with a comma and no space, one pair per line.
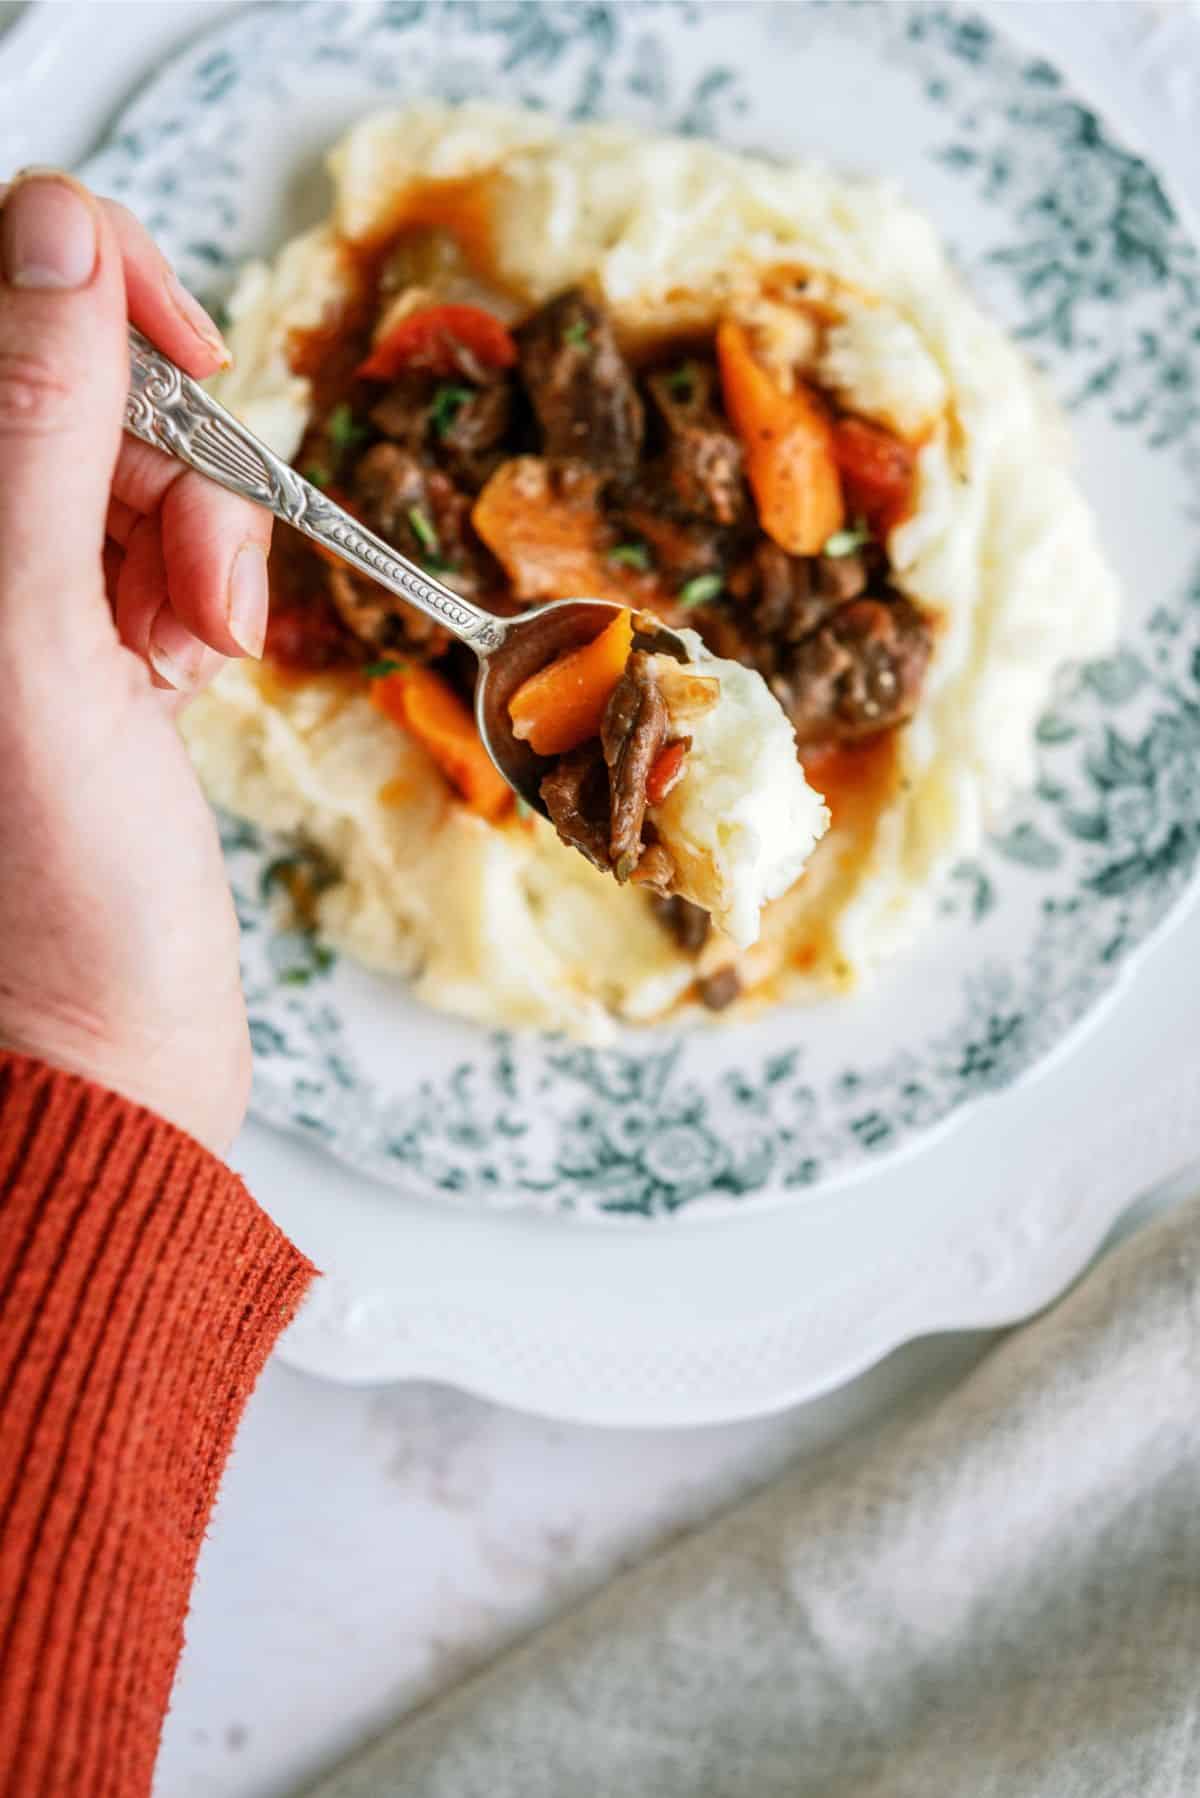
184,1083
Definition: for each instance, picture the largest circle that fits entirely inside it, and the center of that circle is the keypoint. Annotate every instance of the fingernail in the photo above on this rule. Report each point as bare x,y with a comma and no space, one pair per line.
47,233
194,316
174,654
249,599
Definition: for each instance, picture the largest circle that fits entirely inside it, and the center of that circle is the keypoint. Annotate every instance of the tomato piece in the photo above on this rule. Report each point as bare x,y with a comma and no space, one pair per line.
426,339
878,471
666,771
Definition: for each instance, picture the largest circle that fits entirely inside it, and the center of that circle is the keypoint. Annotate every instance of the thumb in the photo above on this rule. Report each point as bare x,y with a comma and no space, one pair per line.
63,376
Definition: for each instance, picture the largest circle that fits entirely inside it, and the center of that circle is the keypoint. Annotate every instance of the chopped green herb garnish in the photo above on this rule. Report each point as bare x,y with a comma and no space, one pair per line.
343,432
316,474
323,958
295,977
681,382
301,875
439,565
577,334
423,530
380,670
630,555
700,589
448,402
524,809
278,873
844,543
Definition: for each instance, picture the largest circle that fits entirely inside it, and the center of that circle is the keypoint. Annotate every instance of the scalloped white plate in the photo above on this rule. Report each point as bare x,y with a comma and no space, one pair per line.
1071,238
722,1319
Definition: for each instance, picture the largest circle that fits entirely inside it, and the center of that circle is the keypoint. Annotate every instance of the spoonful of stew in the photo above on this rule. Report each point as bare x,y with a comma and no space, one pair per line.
594,714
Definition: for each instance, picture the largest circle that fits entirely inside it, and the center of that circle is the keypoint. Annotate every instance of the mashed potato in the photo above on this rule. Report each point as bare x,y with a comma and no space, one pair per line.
507,925
743,821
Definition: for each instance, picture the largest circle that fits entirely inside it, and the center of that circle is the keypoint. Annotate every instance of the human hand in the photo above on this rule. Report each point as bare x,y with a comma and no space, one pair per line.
124,582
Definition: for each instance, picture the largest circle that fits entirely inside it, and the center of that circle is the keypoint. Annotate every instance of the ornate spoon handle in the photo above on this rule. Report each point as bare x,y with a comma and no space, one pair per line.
171,411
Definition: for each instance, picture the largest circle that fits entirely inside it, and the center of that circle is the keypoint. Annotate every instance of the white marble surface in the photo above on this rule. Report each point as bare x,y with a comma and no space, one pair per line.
371,1545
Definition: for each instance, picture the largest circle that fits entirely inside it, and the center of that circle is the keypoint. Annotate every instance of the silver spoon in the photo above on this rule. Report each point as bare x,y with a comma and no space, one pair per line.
168,409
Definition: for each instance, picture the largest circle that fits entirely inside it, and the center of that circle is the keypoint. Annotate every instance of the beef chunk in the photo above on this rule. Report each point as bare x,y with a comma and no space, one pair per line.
403,412
477,417
389,484
419,510
689,502
379,619
778,605
469,439
582,391
679,548
689,924
633,732
842,577
463,427
575,792
860,673
460,560
596,794
703,461
720,989
843,660
780,601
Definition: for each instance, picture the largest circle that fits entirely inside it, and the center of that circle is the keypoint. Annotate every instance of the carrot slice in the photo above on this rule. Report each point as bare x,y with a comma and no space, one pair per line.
562,705
427,338
421,703
788,440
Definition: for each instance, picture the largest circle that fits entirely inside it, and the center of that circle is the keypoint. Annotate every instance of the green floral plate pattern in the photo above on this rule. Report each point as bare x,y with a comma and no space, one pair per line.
1071,239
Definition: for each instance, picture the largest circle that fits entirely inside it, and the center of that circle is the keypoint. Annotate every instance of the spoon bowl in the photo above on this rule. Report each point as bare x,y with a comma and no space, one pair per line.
532,640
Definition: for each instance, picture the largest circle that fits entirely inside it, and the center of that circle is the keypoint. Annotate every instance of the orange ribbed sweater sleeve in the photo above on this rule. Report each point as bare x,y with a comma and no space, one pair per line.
141,1289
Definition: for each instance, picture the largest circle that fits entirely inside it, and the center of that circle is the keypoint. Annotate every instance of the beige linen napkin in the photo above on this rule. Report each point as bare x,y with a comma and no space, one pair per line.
998,1593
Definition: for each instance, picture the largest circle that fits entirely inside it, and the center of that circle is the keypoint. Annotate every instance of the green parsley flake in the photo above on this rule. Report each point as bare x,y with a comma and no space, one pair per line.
630,555
423,530
681,382
278,873
844,543
448,402
381,670
316,474
343,432
577,334
700,589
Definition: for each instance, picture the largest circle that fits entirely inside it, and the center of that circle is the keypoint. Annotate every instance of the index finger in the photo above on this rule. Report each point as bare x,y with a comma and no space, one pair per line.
159,304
